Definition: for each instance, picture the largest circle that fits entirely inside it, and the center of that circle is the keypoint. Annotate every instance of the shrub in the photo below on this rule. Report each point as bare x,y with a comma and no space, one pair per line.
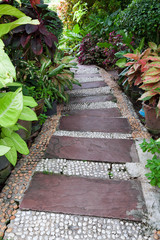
36,39
92,50
90,53
117,45
142,18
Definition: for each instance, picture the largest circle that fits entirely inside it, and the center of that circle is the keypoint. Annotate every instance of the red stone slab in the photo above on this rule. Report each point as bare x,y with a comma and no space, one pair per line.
107,112
89,99
92,149
87,85
94,124
82,196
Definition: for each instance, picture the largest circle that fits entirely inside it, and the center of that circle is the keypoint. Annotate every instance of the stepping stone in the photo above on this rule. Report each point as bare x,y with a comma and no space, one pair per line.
106,113
94,124
87,85
83,196
89,99
92,149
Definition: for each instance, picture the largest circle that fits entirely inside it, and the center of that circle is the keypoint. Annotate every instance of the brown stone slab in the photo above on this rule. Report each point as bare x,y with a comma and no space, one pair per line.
87,85
89,99
82,196
107,112
94,124
92,149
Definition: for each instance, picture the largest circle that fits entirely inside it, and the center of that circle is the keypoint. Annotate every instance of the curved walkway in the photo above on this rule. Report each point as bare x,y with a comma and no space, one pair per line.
86,179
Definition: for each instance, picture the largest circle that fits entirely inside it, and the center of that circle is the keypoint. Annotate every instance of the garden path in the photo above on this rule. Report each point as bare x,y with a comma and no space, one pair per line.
81,188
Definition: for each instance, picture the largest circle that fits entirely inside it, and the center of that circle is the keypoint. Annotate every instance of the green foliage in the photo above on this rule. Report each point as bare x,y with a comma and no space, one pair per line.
12,106
153,164
141,17
42,118
80,9
22,19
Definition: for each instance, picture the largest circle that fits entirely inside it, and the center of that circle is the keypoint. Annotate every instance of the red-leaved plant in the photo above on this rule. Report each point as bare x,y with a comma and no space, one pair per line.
145,72
36,38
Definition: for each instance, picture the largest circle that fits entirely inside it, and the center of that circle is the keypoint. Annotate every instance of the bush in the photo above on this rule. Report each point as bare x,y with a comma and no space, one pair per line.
100,51
117,45
142,18
90,53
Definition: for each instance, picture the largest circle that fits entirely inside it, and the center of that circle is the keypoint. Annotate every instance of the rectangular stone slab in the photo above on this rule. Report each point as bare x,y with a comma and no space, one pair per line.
89,99
94,124
87,85
82,196
92,149
107,112
81,74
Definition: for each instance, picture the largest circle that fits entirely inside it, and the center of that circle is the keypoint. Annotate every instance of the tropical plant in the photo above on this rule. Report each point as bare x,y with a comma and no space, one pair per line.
153,164
60,76
40,38
117,43
13,105
144,71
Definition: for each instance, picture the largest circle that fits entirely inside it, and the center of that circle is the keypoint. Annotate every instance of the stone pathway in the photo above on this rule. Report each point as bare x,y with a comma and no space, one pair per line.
81,188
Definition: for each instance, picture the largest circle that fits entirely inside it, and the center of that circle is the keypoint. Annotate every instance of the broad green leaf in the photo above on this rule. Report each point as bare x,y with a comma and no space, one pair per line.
76,28
19,144
7,70
28,114
7,9
7,131
7,27
29,101
4,150
11,155
121,62
120,54
11,106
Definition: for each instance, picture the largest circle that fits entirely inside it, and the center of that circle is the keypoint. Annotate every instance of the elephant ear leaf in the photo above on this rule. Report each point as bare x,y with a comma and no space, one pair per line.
7,70
11,155
4,150
29,101
19,144
11,108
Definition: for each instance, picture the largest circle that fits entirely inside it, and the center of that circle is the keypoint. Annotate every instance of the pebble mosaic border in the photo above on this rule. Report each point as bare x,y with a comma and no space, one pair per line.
83,169
49,226
93,134
89,91
83,106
